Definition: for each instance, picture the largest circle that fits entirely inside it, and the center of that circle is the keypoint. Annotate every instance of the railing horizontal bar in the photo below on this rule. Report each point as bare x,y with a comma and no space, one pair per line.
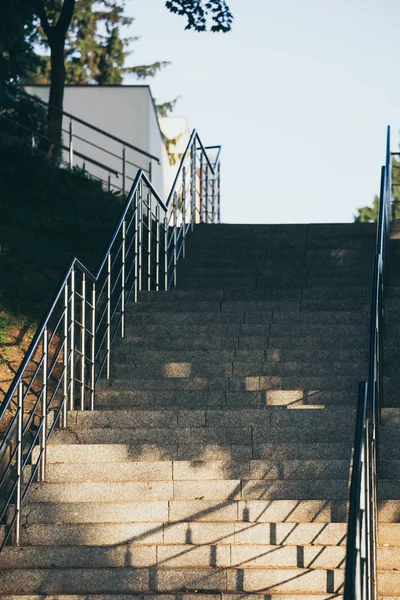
86,124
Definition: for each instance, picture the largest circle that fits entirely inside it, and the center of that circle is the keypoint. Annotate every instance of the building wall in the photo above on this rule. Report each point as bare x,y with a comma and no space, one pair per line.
125,111
174,128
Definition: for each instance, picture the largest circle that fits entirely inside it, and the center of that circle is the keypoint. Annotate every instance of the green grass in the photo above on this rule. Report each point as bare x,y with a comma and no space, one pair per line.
47,216
5,323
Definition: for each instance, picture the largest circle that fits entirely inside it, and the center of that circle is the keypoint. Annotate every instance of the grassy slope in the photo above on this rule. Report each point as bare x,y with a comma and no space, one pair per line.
47,216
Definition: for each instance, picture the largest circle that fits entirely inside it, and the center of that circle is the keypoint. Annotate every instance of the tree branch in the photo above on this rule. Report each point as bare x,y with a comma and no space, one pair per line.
43,18
64,20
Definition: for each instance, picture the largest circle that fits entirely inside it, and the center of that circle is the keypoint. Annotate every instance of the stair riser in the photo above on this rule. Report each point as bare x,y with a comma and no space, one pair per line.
131,581
195,533
178,556
221,490
251,511
196,471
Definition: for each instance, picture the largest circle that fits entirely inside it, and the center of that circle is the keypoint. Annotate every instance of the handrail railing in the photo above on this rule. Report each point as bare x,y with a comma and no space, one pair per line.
96,147
72,347
362,535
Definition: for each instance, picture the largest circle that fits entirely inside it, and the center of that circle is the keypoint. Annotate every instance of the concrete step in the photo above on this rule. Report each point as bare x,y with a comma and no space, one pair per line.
264,470
249,511
187,399
130,580
181,596
260,283
219,423
305,451
130,371
237,384
131,352
194,399
164,439
177,556
110,453
233,335
242,313
179,329
221,490
336,304
245,342
193,532
354,292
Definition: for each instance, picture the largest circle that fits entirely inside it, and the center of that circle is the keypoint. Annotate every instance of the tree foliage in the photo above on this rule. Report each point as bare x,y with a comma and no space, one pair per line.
369,214
95,47
17,30
82,42
200,12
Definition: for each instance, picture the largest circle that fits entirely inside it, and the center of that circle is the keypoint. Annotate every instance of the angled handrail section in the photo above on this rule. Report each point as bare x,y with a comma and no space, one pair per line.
362,534
72,348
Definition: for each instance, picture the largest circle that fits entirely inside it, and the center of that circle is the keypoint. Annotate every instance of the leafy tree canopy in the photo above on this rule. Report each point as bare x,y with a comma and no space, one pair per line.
369,214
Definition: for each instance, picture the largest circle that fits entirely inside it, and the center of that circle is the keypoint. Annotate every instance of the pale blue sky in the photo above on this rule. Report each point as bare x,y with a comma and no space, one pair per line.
299,94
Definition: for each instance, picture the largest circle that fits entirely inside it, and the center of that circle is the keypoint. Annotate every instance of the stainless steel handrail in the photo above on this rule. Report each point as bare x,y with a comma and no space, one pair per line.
362,535
85,123
62,147
71,349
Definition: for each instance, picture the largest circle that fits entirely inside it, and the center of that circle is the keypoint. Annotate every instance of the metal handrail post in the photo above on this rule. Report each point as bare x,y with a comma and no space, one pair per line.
157,247
166,251
213,199
219,192
175,222
136,234
123,169
83,340
18,498
65,359
140,236
201,188
108,337
71,146
183,211
193,178
123,259
43,432
149,236
93,348
206,196
72,344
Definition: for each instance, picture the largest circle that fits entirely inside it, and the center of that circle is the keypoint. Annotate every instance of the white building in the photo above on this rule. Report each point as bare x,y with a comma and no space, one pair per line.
128,113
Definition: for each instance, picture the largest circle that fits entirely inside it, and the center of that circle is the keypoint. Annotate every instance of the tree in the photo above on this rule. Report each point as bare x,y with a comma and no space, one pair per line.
95,51
17,55
55,21
80,53
368,214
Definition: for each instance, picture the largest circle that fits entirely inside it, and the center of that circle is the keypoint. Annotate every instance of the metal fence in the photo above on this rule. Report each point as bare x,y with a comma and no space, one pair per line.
361,564
72,348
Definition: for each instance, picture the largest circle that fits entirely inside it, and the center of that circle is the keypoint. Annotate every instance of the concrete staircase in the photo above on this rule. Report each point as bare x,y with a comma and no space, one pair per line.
217,462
